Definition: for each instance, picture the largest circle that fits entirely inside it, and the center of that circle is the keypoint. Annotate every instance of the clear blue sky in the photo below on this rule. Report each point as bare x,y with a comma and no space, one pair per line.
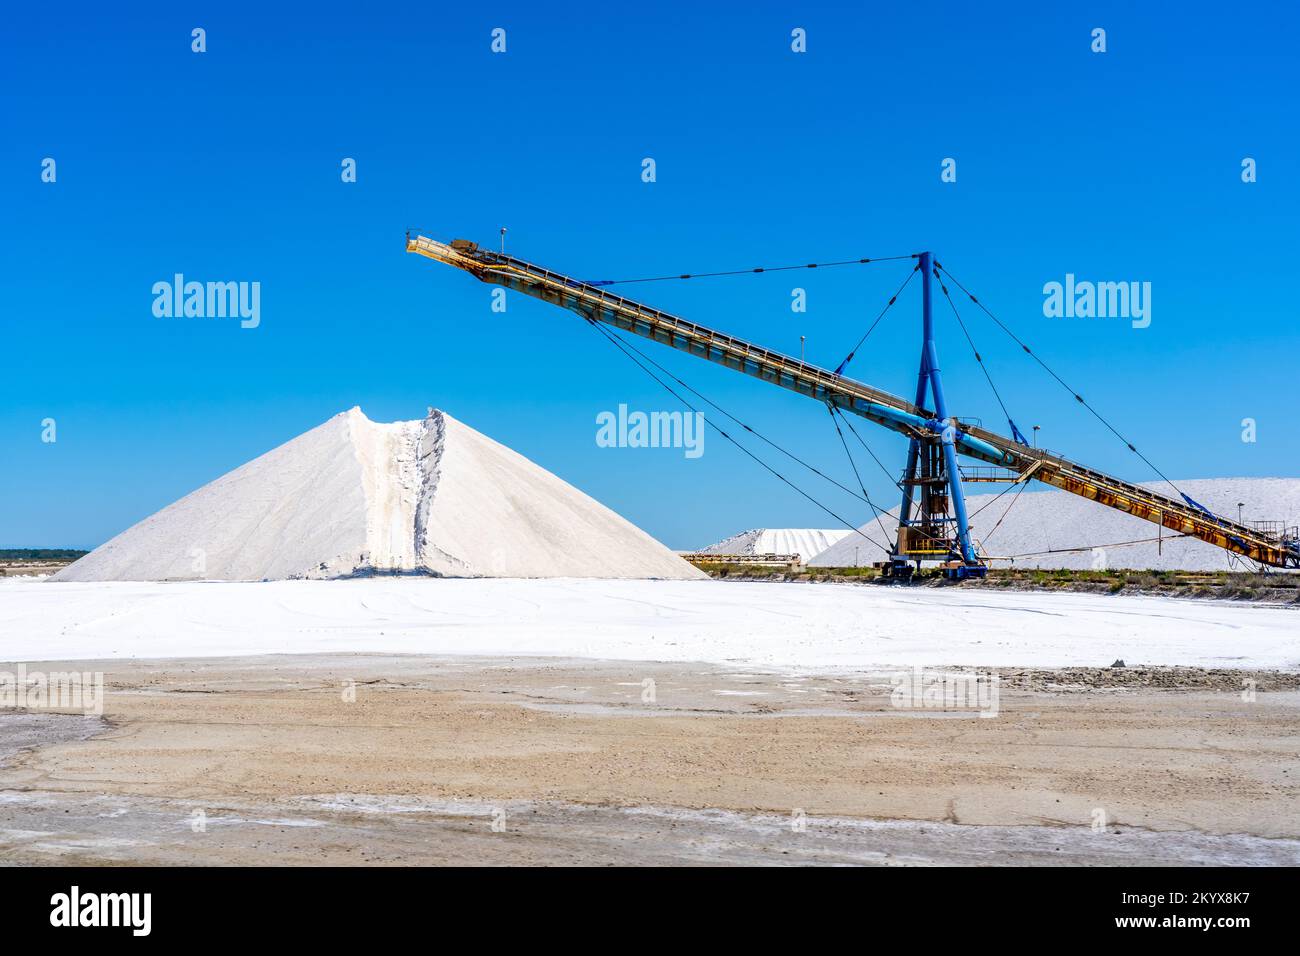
226,166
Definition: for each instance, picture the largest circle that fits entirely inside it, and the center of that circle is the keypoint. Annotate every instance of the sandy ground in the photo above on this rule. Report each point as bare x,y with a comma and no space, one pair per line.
562,761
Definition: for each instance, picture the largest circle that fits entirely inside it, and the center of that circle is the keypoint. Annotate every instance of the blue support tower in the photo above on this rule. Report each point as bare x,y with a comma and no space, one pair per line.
929,533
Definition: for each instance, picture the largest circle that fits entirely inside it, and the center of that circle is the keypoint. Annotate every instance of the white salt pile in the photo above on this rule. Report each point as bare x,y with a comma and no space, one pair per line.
354,497
1055,520
805,542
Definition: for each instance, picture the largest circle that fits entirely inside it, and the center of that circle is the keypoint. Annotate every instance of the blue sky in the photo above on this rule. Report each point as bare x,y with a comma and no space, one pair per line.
225,165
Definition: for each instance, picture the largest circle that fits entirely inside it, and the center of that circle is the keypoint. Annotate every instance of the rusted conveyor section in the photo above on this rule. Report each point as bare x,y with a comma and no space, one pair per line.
1276,548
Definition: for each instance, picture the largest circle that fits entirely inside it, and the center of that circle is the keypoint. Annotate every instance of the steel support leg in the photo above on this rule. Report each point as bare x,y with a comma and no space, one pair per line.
930,373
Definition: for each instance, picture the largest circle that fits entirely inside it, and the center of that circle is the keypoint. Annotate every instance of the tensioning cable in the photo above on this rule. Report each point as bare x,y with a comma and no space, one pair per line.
1094,547
877,512
1077,397
1012,504
753,431
721,431
863,442
756,271
979,359
888,305
830,408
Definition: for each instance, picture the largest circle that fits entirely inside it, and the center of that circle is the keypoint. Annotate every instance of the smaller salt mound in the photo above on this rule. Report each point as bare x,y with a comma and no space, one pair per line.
805,542
1057,520
354,496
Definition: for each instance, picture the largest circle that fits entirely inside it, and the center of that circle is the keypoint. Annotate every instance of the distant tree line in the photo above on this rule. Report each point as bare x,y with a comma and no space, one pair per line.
40,554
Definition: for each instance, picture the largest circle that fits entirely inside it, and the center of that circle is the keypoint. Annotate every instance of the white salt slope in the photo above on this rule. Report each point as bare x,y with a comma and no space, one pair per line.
353,496
805,542
1052,519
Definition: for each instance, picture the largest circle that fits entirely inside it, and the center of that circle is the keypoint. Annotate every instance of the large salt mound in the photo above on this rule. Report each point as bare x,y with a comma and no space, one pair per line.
805,542
353,497
1053,520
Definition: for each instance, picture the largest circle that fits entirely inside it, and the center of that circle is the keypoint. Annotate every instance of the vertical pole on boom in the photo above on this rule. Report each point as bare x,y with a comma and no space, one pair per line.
921,536
913,448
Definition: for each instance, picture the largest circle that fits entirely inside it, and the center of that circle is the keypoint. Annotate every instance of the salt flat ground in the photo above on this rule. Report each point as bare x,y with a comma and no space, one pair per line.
417,720
387,759
802,626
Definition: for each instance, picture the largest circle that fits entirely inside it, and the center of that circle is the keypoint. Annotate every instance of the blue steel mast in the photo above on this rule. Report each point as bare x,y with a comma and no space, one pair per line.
921,468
